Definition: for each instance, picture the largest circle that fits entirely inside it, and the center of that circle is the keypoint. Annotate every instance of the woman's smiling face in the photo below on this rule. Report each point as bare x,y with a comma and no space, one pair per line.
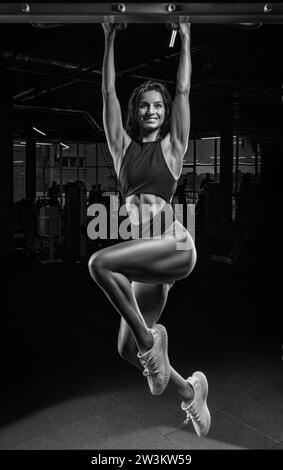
151,111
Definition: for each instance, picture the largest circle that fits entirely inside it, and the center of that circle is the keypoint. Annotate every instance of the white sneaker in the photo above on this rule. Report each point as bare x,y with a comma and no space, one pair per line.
197,409
155,361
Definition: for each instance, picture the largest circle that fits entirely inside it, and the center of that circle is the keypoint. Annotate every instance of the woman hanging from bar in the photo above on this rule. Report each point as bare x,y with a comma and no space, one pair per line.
136,275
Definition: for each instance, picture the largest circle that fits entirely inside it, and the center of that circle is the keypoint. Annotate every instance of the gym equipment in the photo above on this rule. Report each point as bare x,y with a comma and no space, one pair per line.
141,12
174,28
49,226
75,220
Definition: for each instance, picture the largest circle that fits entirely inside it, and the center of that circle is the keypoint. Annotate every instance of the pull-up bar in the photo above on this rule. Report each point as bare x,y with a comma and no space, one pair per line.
141,12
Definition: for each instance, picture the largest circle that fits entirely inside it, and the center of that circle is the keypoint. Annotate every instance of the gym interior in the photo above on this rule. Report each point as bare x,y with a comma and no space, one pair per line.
64,385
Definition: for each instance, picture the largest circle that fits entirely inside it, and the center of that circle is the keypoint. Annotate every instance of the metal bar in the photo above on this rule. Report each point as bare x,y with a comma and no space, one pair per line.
173,37
141,13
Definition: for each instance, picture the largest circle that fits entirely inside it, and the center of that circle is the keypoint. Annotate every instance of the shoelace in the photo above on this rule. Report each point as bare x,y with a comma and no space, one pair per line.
194,413
150,366
188,413
188,418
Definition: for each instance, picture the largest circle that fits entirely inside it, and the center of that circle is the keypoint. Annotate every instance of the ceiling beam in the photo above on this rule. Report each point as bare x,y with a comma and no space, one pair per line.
67,111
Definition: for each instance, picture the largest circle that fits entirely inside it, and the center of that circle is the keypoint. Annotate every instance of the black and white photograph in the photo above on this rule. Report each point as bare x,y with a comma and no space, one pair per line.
141,241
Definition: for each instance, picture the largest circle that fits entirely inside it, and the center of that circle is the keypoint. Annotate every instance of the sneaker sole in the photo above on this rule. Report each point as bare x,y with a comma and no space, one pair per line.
204,385
164,343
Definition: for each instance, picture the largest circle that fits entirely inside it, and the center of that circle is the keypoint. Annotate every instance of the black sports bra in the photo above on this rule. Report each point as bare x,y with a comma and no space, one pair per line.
144,170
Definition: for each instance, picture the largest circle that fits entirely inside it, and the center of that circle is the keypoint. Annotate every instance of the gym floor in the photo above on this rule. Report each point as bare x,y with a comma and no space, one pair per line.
64,386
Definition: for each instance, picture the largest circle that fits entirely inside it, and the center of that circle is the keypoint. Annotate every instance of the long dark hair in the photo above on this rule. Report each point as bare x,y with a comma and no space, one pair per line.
132,125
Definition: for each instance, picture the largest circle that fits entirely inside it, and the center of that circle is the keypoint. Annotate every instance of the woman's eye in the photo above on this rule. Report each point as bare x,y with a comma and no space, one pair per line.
146,106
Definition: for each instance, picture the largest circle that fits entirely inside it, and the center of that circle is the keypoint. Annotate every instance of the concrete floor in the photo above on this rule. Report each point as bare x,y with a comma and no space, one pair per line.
64,385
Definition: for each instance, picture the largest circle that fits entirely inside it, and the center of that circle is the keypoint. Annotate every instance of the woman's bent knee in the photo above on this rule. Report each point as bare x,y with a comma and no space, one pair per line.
123,352
96,265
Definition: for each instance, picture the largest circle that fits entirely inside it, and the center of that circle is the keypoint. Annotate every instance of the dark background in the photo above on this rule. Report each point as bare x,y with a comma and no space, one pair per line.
54,318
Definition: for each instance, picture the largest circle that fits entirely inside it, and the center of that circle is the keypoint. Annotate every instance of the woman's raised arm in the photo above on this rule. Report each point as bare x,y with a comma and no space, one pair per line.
180,119
112,117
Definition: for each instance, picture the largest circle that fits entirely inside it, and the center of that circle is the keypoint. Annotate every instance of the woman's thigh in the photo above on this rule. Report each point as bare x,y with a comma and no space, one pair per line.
157,261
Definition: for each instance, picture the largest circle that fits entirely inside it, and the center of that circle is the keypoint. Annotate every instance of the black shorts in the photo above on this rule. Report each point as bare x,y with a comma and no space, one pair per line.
156,226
